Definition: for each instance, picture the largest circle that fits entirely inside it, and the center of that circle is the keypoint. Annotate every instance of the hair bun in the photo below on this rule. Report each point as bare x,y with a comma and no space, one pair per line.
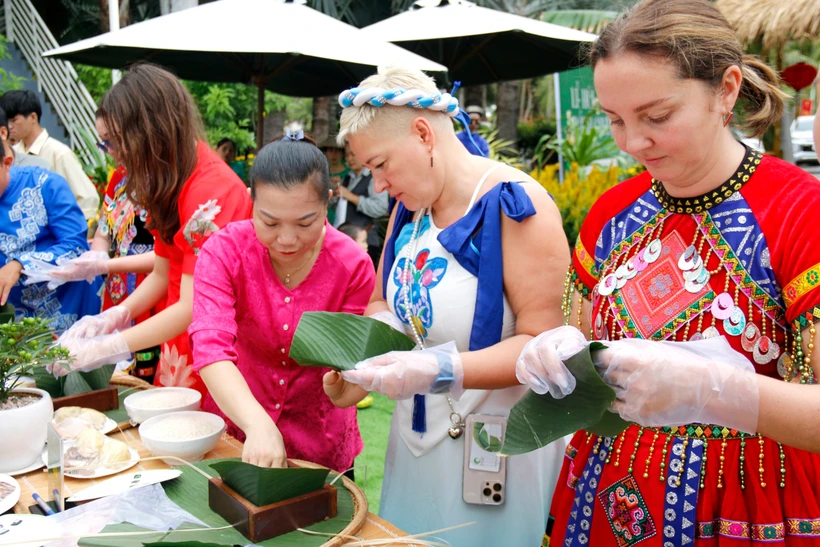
304,137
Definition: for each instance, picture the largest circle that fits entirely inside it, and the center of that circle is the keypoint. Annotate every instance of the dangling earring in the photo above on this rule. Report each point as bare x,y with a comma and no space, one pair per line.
431,156
728,118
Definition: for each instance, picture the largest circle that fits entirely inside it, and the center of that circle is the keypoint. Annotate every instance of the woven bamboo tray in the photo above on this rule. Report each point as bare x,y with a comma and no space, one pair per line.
359,507
122,379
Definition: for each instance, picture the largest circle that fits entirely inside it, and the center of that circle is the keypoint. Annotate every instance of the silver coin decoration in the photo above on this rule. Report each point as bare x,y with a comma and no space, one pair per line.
736,323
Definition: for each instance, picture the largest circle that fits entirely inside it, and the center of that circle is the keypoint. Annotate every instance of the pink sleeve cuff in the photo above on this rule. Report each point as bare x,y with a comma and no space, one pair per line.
211,346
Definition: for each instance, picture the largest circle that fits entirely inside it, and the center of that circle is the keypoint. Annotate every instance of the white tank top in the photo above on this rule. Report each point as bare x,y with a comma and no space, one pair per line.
444,299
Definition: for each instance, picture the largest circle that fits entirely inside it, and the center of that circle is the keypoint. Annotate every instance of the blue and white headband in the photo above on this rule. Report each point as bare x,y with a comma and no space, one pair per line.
416,98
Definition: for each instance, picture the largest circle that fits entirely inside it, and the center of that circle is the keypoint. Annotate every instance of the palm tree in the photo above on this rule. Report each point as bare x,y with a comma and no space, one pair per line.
359,13
588,15
587,20
74,20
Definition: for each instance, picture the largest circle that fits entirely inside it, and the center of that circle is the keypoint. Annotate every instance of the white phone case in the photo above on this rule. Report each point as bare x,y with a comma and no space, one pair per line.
485,469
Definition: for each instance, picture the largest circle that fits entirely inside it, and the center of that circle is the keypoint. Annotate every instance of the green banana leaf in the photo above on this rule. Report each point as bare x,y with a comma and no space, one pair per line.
73,383
169,538
47,382
340,340
98,378
537,420
190,491
264,485
183,544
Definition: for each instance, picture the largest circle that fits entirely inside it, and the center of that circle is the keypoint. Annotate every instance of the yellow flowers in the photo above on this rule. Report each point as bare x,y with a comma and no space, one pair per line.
576,194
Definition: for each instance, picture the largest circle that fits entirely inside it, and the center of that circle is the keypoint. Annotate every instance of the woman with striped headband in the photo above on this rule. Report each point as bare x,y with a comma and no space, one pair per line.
458,274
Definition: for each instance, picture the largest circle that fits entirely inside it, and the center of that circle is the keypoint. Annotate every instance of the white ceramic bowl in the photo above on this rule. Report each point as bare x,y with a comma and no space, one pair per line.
191,450
139,413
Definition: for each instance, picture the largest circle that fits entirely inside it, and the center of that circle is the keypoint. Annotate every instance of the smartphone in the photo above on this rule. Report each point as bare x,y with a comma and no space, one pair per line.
485,469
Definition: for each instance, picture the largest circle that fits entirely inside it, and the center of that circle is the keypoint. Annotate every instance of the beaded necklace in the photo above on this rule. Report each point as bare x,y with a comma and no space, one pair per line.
457,428
761,342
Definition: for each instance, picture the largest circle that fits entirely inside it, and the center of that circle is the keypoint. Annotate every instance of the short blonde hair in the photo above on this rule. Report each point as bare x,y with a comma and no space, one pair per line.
358,118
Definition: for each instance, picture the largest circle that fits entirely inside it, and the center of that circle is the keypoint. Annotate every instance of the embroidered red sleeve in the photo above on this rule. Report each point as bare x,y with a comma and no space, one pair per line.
800,267
789,203
204,213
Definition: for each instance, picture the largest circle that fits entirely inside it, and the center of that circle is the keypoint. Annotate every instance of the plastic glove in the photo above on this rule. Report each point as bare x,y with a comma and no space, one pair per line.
540,365
39,271
87,267
677,383
389,318
112,319
93,353
402,374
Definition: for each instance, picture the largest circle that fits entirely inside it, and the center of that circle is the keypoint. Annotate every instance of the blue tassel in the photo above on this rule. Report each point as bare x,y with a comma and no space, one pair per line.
464,118
419,414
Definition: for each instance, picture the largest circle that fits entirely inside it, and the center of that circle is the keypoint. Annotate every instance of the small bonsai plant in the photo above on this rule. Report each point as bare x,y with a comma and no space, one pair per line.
25,346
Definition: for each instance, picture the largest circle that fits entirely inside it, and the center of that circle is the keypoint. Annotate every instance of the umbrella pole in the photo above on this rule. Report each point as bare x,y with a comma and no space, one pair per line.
260,114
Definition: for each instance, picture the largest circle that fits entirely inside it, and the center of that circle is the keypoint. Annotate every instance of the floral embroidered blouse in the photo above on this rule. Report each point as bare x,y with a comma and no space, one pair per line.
212,197
243,314
123,223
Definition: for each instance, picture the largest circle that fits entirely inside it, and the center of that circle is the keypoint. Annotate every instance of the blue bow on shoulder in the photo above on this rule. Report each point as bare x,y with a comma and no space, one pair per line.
475,242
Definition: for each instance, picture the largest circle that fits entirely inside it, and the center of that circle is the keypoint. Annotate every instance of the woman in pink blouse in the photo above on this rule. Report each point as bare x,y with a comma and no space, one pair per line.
253,281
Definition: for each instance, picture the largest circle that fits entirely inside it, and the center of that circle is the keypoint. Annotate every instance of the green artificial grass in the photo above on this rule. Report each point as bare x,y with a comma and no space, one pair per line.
374,424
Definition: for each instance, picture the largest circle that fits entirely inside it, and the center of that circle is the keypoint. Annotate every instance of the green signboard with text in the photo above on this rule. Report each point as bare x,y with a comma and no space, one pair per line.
575,97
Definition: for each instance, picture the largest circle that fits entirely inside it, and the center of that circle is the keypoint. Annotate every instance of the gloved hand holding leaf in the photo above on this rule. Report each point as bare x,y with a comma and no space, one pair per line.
537,420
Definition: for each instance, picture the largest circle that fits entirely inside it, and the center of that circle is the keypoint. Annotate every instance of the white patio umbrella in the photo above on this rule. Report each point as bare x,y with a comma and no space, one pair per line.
480,45
278,45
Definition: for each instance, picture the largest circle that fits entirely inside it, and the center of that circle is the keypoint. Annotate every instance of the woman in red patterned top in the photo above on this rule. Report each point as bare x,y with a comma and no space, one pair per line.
702,278
122,248
189,193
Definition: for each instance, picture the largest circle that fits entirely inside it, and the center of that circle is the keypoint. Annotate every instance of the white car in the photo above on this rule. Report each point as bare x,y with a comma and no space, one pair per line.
752,142
802,140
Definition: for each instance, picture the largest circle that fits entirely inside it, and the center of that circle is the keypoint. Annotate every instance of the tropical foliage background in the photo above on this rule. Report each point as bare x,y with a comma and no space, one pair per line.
521,126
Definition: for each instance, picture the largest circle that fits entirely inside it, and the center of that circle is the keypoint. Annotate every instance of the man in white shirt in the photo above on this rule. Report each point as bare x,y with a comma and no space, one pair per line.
20,160
23,111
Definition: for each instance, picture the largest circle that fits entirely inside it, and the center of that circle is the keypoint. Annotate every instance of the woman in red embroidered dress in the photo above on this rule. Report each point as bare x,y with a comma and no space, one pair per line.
122,248
713,241
189,193
121,233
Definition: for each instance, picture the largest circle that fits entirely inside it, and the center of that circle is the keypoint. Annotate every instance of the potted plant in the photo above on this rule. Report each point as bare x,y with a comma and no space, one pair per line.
24,412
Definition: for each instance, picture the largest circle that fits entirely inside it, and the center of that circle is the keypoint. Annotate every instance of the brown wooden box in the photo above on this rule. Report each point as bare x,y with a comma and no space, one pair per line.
101,399
261,523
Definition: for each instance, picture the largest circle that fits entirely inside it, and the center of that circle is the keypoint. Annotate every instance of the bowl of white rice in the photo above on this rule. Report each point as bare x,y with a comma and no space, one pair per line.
188,435
162,400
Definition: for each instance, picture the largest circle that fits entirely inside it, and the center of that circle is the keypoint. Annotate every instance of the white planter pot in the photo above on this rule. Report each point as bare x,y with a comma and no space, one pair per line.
23,431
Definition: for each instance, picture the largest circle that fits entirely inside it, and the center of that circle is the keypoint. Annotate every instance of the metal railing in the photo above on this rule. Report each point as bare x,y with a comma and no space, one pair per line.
56,79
